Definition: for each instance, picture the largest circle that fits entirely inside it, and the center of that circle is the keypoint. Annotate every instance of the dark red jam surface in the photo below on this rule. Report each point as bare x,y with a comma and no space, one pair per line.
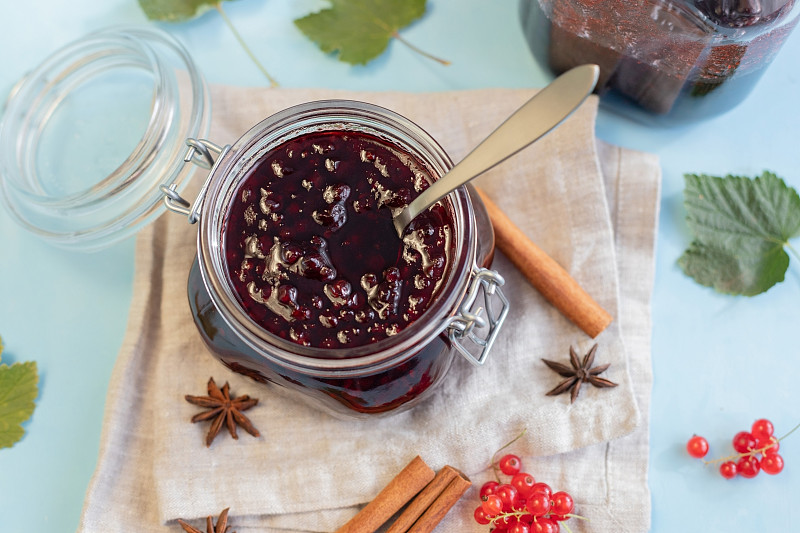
311,249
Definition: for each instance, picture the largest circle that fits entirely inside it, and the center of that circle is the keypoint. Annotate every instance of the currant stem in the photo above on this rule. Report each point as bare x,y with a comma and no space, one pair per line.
743,454
579,517
751,453
495,469
419,50
243,44
790,432
520,514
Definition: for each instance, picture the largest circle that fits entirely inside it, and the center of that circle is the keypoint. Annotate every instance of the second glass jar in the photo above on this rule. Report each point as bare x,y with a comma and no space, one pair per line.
663,62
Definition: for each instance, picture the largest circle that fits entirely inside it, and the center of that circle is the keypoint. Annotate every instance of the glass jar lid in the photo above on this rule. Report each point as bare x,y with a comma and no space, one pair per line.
87,138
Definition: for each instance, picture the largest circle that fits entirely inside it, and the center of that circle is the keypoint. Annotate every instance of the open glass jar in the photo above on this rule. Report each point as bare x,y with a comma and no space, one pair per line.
266,330
89,135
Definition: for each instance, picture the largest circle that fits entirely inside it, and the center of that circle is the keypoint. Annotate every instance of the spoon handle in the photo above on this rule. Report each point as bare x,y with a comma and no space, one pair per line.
543,112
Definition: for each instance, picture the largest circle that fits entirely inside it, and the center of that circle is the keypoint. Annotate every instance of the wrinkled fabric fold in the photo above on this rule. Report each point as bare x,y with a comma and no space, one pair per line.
593,207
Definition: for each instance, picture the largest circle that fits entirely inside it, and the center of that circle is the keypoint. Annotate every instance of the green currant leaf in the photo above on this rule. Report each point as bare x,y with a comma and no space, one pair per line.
18,390
728,273
741,226
359,30
176,10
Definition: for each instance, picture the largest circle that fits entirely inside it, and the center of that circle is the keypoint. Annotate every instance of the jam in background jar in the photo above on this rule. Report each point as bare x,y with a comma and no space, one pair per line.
663,62
300,279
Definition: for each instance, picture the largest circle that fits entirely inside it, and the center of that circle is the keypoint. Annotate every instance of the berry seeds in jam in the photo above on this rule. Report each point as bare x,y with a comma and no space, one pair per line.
311,249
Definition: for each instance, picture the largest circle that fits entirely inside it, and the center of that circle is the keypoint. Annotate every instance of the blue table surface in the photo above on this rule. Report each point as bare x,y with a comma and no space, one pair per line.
719,362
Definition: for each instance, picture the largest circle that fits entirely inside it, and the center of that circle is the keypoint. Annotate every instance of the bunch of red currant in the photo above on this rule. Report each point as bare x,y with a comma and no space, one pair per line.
522,505
749,445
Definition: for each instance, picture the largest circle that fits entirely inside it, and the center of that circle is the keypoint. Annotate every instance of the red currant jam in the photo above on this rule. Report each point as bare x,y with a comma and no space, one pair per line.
311,250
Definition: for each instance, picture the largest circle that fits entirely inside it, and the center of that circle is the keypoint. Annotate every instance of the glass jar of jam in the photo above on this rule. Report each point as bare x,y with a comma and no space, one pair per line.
663,62
300,279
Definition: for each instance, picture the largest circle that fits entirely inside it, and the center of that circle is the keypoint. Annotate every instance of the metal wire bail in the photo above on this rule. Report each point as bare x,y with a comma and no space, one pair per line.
202,153
466,327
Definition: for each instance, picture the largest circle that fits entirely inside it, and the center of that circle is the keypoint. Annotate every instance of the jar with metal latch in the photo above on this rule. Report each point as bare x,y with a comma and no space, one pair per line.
300,280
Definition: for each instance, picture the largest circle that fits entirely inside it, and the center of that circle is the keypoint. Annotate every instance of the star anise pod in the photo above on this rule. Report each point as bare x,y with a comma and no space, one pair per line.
222,524
223,409
580,373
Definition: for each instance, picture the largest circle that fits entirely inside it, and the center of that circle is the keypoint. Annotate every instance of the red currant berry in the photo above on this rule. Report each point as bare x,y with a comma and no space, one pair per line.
728,470
519,527
510,464
488,488
523,482
562,503
542,487
773,449
544,525
508,496
748,466
762,430
492,504
744,442
481,517
772,464
538,504
538,526
697,447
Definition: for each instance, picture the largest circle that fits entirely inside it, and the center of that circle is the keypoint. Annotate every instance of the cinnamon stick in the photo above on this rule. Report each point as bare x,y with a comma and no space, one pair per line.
549,278
423,500
399,491
441,505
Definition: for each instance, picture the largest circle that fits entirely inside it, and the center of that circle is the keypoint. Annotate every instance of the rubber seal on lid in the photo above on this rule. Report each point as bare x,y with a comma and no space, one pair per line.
87,138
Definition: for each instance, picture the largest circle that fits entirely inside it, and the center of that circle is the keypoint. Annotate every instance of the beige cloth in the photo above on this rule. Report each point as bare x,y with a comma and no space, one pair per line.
593,207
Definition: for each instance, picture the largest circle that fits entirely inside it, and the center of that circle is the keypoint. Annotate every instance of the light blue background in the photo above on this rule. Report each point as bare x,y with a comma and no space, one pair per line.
720,362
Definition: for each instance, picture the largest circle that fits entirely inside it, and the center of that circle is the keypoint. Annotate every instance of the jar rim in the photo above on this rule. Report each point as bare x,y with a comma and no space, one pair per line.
331,115
118,199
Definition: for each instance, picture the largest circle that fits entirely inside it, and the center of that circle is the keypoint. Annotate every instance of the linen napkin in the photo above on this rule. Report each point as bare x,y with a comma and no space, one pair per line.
591,206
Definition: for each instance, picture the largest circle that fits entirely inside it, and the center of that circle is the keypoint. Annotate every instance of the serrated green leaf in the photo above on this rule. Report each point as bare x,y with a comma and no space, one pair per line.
359,30
728,273
176,10
18,390
741,226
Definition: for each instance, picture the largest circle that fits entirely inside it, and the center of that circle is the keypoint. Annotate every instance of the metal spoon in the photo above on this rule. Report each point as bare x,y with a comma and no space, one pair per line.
543,112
